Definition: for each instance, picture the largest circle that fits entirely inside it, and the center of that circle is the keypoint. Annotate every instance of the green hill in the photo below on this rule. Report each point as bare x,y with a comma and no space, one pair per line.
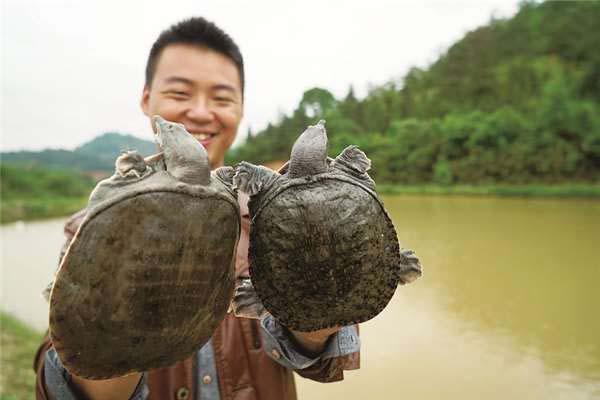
516,101
62,159
108,146
98,154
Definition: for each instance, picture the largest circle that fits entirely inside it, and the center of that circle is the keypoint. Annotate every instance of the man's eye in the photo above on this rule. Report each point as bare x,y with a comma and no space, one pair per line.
177,93
223,99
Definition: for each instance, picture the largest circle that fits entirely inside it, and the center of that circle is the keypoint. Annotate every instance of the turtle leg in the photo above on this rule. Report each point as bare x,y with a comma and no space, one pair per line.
355,162
410,266
252,179
128,163
225,175
354,158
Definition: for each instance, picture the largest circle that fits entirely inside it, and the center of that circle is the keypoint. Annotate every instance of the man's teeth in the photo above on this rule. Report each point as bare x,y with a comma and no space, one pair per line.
203,136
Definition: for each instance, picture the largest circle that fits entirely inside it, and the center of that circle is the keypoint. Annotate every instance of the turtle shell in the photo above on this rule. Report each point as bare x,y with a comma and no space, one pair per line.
147,278
323,251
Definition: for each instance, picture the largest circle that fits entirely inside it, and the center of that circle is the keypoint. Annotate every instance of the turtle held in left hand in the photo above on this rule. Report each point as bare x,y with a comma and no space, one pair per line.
323,251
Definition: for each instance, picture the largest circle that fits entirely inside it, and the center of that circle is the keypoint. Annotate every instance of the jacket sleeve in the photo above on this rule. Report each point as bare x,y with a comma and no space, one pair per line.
342,352
38,367
41,391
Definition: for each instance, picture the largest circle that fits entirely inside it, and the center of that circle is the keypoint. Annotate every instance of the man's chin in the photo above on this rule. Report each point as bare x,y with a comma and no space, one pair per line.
214,163
206,143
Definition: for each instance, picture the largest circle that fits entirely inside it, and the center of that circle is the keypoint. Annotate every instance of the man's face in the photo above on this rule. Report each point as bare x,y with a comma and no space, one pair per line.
201,89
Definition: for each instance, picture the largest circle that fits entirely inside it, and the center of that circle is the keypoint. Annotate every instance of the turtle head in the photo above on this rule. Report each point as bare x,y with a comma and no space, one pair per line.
309,153
185,158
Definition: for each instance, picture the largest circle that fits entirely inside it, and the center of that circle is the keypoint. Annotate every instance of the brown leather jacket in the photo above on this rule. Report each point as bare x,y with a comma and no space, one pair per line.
245,371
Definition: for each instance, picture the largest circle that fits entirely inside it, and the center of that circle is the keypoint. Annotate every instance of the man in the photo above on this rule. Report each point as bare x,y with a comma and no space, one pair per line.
195,76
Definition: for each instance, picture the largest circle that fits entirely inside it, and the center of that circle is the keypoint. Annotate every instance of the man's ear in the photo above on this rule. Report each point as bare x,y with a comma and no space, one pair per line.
144,100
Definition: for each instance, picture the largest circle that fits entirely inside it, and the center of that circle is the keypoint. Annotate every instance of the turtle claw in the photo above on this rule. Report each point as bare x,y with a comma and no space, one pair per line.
245,302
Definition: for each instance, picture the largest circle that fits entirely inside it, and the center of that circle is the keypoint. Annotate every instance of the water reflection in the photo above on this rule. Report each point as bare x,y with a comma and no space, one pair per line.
522,268
507,307
29,257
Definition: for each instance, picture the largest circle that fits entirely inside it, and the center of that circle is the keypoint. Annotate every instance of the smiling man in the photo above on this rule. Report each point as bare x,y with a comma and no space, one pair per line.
195,76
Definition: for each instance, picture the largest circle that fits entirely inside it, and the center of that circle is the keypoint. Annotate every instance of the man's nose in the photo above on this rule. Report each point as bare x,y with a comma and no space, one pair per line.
200,111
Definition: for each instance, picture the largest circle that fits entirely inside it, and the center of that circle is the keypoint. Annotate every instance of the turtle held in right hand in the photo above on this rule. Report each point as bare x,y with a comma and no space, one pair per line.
323,250
150,272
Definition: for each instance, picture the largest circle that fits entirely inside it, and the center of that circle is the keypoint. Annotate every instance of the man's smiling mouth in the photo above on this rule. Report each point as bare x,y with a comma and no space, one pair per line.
204,136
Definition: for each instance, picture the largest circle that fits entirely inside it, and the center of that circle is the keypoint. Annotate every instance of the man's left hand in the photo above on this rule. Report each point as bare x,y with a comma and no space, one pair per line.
314,342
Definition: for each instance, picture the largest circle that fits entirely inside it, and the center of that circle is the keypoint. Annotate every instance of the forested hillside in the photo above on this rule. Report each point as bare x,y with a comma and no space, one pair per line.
515,101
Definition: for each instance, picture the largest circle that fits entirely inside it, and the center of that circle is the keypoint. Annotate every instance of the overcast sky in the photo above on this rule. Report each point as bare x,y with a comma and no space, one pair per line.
73,69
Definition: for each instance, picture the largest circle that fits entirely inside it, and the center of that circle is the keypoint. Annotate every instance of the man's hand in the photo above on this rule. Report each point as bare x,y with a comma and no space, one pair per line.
314,342
108,389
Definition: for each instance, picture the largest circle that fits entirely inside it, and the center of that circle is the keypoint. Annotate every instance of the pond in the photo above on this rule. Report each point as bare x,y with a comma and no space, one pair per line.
508,307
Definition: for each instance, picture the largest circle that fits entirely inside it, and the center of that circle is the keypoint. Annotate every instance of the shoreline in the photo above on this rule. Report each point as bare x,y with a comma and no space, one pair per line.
15,210
39,209
566,190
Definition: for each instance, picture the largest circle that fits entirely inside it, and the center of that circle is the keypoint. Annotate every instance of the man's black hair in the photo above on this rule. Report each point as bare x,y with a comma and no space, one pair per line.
195,31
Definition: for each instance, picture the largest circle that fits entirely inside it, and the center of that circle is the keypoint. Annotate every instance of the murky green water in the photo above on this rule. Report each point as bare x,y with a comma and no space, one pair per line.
508,308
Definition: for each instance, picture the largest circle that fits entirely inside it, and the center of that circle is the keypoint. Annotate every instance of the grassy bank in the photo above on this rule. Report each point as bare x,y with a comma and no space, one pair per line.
582,190
18,344
29,209
32,192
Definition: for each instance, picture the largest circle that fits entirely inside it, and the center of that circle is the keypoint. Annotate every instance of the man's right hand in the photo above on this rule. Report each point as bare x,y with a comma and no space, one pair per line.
107,389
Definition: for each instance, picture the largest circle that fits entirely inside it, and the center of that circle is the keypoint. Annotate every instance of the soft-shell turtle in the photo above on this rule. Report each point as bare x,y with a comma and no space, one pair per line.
150,272
323,250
